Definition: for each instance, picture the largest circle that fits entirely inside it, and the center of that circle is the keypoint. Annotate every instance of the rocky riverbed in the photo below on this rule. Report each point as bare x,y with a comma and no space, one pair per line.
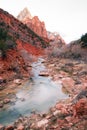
71,73
69,114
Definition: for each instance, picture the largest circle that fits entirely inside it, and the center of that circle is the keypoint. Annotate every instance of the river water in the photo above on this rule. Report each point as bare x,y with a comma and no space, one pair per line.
38,95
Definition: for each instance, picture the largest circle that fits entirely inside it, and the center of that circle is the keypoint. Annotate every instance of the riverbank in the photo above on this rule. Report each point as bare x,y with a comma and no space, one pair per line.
37,95
67,114
71,73
9,89
8,94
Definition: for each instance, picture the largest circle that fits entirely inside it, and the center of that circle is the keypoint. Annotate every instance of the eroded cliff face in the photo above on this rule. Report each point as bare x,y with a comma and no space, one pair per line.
22,39
39,28
12,67
33,22
19,31
36,25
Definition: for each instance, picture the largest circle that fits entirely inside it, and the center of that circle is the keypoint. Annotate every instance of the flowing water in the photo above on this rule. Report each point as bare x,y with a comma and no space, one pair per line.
38,95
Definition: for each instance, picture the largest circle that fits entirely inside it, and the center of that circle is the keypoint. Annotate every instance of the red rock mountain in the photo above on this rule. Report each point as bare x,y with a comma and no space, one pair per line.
56,39
33,22
24,14
22,39
39,27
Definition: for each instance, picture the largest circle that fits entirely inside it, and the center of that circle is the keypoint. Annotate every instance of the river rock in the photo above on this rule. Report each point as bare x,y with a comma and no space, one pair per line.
1,105
80,108
1,127
43,73
2,87
17,81
20,127
1,80
10,127
42,122
59,106
51,65
22,99
56,112
68,83
6,101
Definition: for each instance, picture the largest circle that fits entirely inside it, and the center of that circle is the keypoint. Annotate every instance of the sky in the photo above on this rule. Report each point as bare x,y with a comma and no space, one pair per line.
67,17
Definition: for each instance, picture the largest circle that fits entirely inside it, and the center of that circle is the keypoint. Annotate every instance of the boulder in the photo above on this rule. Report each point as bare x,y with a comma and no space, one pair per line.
10,127
42,122
43,73
1,105
59,106
6,101
20,127
1,127
1,80
68,84
17,81
80,108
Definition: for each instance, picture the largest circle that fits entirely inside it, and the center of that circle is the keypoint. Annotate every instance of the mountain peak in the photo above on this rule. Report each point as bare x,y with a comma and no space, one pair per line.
33,23
24,14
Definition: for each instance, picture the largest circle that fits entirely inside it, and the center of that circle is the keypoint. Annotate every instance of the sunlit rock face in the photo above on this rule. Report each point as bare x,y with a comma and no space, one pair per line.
56,39
39,28
24,14
33,22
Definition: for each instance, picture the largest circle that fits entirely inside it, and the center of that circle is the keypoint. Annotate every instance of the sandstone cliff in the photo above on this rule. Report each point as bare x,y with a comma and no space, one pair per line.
39,28
33,22
22,39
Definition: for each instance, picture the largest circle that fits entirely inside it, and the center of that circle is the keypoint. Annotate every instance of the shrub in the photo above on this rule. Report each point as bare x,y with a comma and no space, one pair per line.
3,35
84,40
6,42
3,46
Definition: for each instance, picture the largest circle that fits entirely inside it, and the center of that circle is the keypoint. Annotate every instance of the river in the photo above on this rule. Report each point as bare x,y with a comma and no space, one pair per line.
39,95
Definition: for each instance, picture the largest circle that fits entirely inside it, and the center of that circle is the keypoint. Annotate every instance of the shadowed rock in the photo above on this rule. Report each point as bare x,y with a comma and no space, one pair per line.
82,94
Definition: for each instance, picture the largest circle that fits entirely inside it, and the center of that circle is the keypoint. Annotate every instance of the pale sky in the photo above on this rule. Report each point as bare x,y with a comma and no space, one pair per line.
67,17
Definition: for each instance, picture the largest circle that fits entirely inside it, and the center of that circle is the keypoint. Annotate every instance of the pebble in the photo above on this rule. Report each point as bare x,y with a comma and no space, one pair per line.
6,101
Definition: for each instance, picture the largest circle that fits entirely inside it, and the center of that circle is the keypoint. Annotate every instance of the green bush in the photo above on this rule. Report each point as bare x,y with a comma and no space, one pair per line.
3,48
6,42
84,40
3,34
3,37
